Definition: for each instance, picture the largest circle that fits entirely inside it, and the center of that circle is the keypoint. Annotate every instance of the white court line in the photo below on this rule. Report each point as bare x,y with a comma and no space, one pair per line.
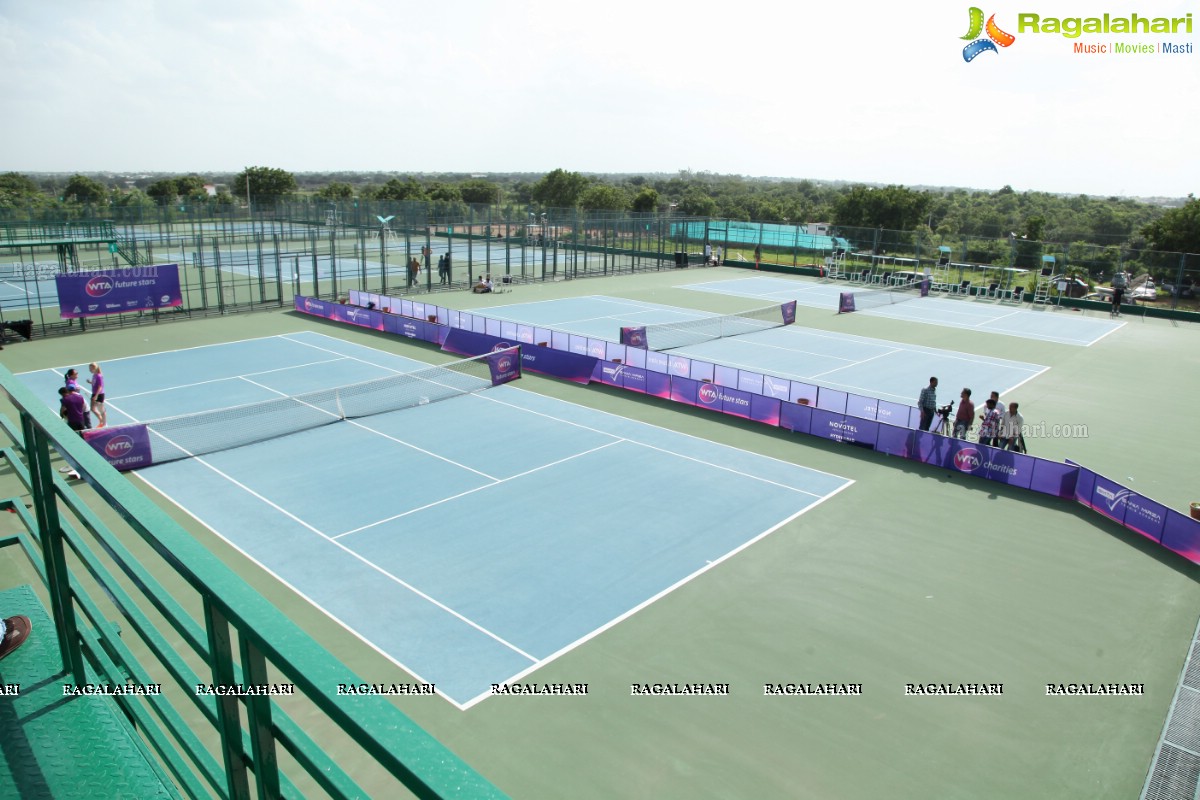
231,378
897,347
651,600
495,482
13,285
423,595
284,582
855,364
489,397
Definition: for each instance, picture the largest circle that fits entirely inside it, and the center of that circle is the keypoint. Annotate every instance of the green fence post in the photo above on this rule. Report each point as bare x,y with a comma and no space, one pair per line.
220,658
58,581
258,714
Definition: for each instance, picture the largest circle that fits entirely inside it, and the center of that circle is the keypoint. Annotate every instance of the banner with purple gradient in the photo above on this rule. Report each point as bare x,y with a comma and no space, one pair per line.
546,360
634,337
1181,533
789,312
843,428
123,446
362,317
505,365
795,417
115,291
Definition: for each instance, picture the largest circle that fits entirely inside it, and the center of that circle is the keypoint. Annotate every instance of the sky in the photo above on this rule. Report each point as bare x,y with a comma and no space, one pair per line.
853,91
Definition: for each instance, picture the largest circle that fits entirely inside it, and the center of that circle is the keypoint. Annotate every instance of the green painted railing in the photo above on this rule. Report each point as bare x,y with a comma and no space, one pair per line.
185,620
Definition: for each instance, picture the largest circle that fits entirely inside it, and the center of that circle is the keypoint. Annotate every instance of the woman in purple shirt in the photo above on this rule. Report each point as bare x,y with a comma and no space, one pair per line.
97,382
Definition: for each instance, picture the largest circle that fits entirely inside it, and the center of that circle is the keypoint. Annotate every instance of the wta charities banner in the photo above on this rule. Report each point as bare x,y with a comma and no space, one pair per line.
115,291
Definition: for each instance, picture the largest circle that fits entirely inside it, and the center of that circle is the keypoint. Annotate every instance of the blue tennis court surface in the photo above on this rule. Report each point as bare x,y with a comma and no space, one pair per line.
470,540
873,367
1047,323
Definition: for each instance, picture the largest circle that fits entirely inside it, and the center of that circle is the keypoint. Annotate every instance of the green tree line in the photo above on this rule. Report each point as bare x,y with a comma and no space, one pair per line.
1037,216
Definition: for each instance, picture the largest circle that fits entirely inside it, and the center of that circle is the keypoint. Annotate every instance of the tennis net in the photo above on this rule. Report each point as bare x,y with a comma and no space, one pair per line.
189,435
876,298
669,335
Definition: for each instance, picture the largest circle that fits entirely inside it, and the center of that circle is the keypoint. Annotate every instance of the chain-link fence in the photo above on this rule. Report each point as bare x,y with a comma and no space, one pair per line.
235,259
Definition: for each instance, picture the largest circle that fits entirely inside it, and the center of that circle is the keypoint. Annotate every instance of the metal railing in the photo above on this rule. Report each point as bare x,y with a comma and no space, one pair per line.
138,601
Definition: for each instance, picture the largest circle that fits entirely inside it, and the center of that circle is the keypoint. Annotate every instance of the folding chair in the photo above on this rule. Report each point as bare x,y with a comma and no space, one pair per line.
1017,293
962,288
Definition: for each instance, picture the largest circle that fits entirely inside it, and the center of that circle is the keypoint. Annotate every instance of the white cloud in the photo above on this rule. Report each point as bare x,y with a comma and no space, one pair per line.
864,91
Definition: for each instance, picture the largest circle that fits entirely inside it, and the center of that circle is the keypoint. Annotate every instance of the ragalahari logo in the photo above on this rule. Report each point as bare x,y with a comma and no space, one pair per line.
995,36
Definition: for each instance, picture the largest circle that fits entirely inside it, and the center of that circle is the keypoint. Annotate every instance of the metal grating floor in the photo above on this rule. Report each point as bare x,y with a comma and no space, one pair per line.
1175,771
56,747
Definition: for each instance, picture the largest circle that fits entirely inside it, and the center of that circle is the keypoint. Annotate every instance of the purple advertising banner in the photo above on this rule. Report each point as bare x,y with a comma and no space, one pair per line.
505,365
124,446
795,417
545,360
658,384
894,440
115,291
724,399
1051,477
841,428
362,317
789,312
1003,466
616,374
1182,534
634,337
683,390
765,409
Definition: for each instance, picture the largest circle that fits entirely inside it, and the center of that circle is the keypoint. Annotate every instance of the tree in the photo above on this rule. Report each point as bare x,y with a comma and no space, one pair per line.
559,189
336,191
895,208
265,184
604,197
697,203
163,191
406,190
443,193
480,192
190,187
646,200
18,191
82,189
1176,231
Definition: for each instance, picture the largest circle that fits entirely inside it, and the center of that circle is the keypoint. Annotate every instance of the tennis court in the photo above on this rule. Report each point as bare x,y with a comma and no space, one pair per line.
1045,323
470,540
877,368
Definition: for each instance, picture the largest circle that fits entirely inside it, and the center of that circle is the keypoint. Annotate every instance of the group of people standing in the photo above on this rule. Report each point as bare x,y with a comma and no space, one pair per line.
76,411
443,266
999,426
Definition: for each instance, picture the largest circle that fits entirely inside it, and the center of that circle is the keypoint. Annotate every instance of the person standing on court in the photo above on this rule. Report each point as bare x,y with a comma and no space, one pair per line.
441,269
707,254
97,382
965,415
1011,437
927,403
757,255
989,425
449,274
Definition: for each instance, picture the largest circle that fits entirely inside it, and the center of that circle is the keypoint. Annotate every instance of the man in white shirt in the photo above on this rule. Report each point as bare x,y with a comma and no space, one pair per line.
1010,430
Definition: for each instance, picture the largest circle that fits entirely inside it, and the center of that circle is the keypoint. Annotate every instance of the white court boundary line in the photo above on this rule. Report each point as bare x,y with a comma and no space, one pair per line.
535,663
707,287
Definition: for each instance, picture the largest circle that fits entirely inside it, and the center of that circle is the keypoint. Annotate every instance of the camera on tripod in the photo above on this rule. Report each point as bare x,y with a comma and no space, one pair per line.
943,422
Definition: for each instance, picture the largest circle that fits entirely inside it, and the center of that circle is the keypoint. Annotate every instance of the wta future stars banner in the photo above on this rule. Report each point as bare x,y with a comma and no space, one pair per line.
115,291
